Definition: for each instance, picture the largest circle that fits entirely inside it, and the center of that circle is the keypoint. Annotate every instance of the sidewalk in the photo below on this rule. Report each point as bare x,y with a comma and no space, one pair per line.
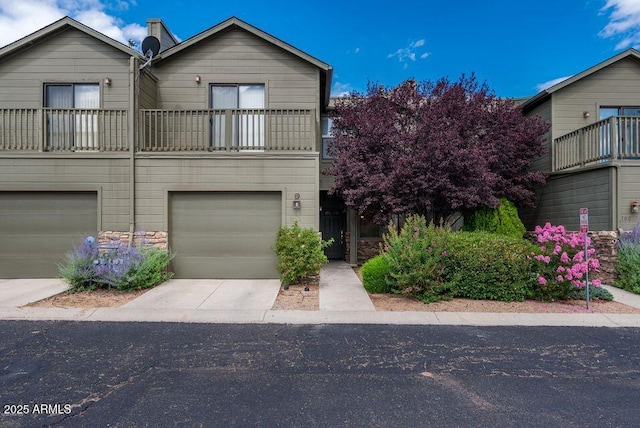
343,300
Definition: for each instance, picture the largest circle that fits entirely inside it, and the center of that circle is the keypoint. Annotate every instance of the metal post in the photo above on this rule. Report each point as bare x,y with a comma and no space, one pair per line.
586,258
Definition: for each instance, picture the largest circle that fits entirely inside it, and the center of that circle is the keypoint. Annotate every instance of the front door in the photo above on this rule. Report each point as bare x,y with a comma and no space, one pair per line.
332,225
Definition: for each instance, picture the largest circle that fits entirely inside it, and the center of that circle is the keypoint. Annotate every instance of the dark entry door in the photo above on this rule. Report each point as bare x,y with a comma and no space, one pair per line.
332,226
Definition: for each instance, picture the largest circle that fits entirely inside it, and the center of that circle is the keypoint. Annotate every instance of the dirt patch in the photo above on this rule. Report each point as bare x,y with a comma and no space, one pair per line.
89,299
392,302
396,303
299,297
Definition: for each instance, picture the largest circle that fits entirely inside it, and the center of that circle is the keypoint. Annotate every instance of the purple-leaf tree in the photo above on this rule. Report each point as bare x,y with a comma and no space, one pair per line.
433,148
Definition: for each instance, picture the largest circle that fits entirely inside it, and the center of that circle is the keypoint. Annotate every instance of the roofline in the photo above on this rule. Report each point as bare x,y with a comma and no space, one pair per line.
543,95
233,21
59,25
169,32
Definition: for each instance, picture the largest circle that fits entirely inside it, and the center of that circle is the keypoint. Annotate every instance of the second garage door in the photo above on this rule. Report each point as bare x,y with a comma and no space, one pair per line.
224,234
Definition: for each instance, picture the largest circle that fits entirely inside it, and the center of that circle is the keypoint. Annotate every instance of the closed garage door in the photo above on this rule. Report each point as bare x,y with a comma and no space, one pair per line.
37,229
224,234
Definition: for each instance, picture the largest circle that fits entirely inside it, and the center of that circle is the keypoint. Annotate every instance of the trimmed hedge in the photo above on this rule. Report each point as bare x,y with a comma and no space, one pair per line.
374,275
489,266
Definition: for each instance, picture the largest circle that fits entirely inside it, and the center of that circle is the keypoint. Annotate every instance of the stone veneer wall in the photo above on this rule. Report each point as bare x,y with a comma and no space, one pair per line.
605,244
157,239
367,248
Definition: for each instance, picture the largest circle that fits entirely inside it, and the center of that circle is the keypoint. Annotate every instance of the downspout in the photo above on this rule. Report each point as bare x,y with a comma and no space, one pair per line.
133,87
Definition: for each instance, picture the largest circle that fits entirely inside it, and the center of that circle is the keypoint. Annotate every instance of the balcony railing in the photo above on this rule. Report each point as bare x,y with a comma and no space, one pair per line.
617,137
239,130
63,130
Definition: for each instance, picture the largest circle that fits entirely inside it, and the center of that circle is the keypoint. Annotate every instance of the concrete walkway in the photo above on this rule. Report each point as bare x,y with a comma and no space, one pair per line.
341,289
343,300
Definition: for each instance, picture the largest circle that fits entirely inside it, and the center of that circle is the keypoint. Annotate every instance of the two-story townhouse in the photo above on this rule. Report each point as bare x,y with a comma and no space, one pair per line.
593,147
209,147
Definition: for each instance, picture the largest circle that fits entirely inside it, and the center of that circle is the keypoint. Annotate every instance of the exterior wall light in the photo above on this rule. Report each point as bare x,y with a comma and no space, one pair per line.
107,81
296,201
198,79
586,114
635,206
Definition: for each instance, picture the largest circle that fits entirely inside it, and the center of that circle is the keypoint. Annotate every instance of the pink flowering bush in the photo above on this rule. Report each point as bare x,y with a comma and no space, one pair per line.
561,263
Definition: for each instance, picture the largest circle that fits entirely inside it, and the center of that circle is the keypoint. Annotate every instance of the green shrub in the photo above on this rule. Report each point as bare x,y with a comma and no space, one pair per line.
151,271
503,220
300,253
374,273
628,268
124,267
415,257
489,266
595,293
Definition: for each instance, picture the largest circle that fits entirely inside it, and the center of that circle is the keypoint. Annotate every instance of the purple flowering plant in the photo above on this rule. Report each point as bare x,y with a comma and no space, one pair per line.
561,263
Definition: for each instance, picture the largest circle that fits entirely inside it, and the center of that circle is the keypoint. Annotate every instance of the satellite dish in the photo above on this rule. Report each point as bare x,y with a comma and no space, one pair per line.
150,48
150,43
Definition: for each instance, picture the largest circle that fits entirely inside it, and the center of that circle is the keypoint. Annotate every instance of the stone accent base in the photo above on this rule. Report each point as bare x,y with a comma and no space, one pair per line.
368,248
157,239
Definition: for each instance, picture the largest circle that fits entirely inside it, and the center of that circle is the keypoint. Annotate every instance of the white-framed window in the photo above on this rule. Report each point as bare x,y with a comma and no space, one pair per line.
327,136
247,124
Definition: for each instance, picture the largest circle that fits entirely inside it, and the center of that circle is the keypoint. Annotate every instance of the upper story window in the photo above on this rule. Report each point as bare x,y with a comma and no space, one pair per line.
244,130
607,112
72,95
327,136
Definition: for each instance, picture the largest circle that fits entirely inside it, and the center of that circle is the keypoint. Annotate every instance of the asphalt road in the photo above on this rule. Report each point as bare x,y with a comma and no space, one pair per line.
189,375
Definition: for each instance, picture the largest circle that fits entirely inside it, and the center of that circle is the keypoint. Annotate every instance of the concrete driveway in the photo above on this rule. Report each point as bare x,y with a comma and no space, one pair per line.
219,294
19,292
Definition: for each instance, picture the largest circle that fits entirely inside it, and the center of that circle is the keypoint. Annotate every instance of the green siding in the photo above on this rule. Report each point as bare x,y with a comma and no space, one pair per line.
543,163
109,175
628,190
559,202
236,56
71,57
615,85
157,175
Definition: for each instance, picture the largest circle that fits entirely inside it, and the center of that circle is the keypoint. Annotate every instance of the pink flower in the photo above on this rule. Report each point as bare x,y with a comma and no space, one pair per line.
430,249
560,269
559,278
557,250
596,283
444,253
542,281
564,257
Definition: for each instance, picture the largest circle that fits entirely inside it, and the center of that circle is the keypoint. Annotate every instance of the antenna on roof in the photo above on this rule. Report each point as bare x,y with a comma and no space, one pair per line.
150,48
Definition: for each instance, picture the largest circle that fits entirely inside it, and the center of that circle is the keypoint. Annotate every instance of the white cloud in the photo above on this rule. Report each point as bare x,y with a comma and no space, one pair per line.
19,18
404,55
357,50
341,89
624,22
542,86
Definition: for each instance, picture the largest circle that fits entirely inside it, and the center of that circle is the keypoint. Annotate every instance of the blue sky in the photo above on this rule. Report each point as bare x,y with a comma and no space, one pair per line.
516,46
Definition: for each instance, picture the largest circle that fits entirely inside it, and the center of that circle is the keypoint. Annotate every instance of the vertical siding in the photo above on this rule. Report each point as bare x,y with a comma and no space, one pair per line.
39,173
559,202
544,110
155,176
236,56
148,90
70,57
628,190
615,85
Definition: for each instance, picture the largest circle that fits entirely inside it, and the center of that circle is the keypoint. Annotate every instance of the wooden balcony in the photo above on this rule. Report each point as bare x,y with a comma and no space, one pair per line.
238,130
615,138
63,130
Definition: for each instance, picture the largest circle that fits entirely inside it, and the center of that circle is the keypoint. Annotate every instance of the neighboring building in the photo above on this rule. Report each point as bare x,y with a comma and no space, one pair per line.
593,147
208,149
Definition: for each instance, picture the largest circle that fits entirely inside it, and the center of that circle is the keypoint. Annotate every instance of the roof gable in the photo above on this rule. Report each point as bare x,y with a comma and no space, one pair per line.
235,22
545,94
61,25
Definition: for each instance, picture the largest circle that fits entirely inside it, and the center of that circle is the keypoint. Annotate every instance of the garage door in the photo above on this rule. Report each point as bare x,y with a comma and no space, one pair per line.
224,234
37,229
